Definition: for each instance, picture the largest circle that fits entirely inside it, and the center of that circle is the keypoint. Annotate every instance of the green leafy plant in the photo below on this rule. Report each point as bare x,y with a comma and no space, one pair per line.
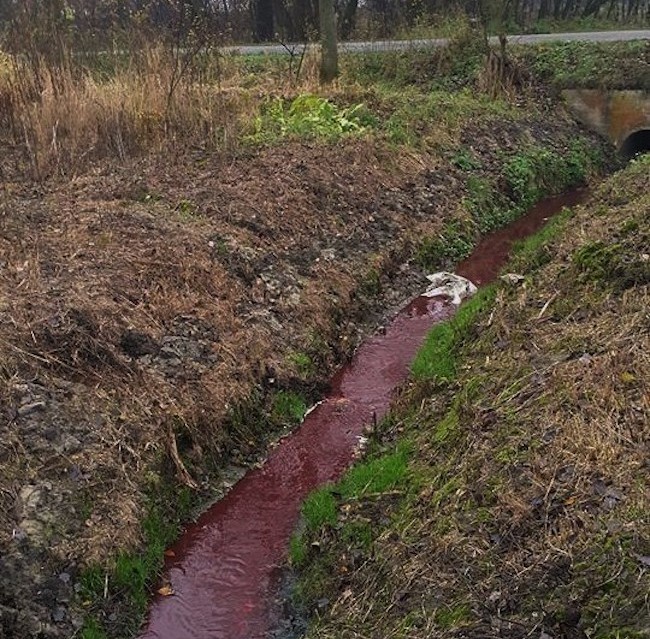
309,116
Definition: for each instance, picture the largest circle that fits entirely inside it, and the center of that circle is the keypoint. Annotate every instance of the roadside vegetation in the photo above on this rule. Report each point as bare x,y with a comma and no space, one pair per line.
190,246
520,505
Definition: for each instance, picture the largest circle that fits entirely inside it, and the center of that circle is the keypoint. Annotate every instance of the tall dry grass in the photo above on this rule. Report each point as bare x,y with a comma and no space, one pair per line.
57,117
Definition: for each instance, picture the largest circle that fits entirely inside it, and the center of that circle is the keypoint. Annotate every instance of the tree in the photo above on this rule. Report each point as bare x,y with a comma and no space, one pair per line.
329,67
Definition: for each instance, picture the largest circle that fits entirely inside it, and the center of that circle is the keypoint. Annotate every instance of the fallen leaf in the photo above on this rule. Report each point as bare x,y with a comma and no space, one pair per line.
170,553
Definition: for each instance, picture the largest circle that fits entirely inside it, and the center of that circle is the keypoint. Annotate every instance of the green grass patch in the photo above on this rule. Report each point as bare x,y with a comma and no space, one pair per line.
133,573
303,363
92,629
449,617
376,475
528,176
288,407
590,65
438,357
319,508
418,118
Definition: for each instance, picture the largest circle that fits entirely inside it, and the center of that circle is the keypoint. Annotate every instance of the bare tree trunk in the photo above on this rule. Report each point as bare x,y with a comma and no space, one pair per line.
329,68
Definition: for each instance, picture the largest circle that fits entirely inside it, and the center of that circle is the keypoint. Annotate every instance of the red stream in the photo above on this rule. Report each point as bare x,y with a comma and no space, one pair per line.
222,567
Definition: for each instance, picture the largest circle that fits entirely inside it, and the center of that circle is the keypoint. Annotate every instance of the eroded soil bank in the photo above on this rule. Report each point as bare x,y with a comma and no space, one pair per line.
522,509
164,305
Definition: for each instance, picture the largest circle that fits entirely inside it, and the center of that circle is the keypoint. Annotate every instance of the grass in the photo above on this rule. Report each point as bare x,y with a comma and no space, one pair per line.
92,629
132,574
527,505
61,118
439,356
309,183
526,176
288,407
589,65
372,477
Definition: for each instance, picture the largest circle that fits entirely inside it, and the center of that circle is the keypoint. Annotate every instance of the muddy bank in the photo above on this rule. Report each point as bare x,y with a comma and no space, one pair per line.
523,508
170,308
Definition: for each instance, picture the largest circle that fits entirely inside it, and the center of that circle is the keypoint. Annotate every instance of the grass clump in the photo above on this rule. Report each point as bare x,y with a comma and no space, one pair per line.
439,356
92,629
288,407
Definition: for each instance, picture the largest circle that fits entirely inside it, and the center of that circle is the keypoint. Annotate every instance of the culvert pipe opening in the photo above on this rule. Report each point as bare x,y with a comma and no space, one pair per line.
635,144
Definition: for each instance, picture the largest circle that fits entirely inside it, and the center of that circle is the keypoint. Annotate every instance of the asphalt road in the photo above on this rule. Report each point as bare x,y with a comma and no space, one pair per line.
404,45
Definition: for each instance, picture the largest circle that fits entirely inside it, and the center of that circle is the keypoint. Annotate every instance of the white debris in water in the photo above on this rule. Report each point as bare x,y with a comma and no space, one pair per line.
449,285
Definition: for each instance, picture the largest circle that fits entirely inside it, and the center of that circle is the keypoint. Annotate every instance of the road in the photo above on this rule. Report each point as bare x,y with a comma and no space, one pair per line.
405,45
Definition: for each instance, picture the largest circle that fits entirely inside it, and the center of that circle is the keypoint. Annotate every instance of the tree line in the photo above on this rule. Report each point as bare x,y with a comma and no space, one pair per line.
98,22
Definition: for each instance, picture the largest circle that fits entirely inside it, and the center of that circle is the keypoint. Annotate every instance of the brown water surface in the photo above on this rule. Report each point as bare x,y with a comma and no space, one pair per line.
222,567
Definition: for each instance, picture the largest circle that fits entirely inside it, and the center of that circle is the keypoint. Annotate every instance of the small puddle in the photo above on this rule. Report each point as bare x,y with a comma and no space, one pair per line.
223,567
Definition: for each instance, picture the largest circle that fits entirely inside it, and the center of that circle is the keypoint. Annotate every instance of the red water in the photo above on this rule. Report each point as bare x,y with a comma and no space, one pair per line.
222,566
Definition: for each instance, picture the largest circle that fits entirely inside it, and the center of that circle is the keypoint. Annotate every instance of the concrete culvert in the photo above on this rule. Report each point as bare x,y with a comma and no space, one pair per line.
636,143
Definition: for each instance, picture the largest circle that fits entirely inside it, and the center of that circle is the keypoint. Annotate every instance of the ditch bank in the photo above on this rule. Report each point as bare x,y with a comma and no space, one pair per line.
221,576
521,507
158,331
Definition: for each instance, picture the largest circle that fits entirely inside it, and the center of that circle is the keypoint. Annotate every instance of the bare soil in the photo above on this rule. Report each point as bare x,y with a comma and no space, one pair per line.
141,305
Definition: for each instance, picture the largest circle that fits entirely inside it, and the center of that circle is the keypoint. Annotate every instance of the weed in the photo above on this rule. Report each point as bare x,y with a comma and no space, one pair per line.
288,407
437,358
186,210
303,363
465,160
588,64
596,259
445,491
309,116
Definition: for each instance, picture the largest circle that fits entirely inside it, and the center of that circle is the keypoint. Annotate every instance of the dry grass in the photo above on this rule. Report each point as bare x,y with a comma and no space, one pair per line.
64,116
59,118
531,516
